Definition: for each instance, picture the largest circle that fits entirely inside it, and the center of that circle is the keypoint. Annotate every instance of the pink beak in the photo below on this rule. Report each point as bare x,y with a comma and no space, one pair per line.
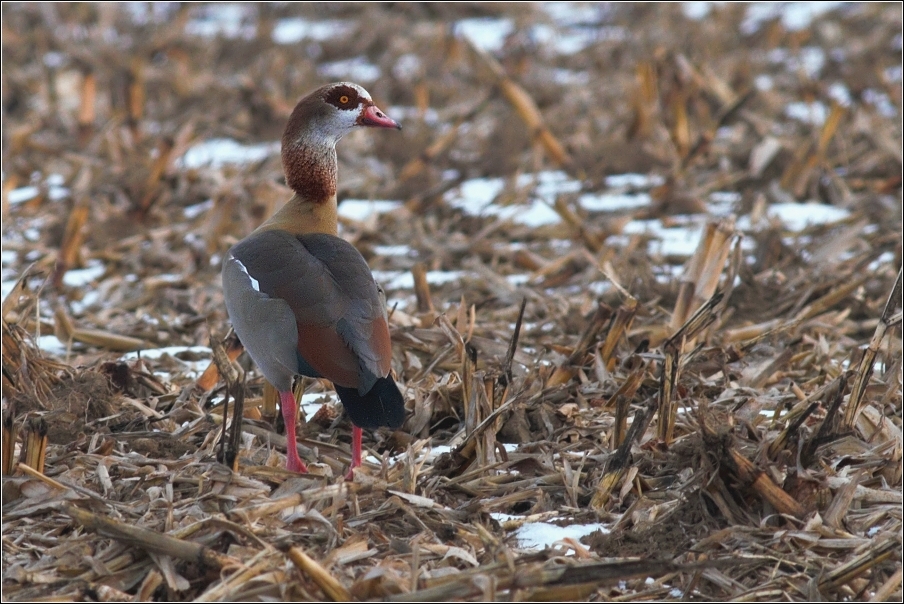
373,117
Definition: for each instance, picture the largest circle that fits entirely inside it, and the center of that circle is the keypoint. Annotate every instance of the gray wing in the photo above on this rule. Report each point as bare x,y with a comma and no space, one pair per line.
338,329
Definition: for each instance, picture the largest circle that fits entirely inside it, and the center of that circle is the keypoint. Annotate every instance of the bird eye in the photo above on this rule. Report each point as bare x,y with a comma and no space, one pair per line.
343,99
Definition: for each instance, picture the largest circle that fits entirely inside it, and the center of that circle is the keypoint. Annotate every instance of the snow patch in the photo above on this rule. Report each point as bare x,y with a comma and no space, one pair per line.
814,112
191,369
84,276
357,69
540,535
405,280
485,33
362,209
296,29
218,152
671,241
798,216
612,202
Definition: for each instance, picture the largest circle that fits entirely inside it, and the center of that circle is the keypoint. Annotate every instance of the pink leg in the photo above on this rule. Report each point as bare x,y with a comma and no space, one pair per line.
293,461
356,452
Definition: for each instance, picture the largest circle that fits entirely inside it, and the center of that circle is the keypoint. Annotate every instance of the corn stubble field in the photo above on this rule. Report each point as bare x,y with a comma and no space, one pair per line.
698,214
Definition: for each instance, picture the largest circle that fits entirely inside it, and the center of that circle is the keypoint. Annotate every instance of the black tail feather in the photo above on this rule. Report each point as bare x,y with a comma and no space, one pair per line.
382,406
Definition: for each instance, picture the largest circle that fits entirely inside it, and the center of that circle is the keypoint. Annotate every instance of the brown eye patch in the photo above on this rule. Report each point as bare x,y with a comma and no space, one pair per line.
342,97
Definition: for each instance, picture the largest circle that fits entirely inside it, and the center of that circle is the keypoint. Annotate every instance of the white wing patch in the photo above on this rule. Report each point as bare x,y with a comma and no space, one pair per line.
254,282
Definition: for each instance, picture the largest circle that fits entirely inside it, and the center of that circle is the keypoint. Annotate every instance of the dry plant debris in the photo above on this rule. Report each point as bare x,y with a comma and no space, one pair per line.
605,317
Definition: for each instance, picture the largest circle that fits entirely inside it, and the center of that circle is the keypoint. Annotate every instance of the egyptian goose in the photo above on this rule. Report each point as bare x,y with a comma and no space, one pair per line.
302,300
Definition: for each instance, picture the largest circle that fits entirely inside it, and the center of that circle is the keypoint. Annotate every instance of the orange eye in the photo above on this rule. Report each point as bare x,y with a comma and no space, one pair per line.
343,99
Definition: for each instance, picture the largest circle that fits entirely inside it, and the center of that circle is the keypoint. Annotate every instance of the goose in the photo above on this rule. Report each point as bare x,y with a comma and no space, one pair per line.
302,300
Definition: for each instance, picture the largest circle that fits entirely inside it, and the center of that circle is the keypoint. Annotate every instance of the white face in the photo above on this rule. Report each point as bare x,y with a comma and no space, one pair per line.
331,112
346,101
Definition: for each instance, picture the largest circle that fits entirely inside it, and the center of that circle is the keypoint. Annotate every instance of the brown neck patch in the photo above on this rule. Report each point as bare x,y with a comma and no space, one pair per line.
310,171
309,161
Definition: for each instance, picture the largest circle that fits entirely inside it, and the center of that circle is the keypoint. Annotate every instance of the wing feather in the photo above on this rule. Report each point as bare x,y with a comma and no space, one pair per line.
340,328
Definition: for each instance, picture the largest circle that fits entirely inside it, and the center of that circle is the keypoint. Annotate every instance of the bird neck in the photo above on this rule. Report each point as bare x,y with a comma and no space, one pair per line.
311,171
300,216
